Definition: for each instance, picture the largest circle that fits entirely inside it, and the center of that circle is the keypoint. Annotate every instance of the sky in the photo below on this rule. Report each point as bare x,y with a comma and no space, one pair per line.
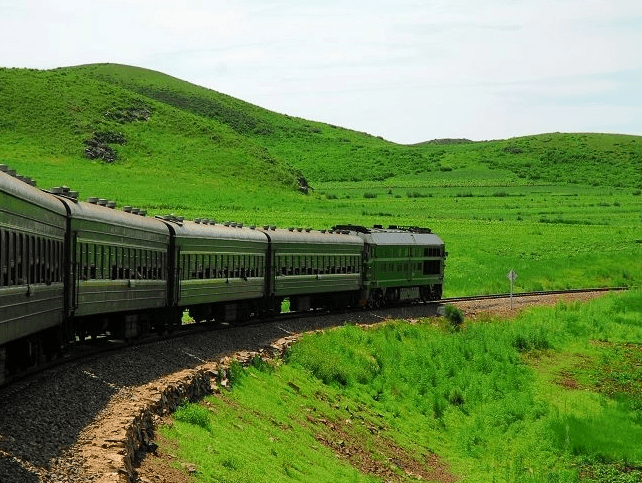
406,70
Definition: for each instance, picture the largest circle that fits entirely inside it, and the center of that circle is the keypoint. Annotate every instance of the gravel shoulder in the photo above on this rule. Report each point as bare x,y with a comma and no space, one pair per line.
82,422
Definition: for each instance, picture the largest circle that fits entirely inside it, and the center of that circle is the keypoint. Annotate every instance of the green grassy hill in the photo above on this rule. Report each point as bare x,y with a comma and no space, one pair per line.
561,209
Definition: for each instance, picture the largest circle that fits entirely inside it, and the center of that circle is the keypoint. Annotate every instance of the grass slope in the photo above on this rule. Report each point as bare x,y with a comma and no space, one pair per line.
563,210
551,396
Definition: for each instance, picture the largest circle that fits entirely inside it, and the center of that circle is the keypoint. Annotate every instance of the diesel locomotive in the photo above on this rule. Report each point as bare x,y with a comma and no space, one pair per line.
71,269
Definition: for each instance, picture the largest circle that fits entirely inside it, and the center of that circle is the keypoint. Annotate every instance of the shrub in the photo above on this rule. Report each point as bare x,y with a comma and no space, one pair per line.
454,316
193,414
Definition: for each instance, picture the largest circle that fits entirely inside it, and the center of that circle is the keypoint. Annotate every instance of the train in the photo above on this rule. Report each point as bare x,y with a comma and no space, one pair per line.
72,269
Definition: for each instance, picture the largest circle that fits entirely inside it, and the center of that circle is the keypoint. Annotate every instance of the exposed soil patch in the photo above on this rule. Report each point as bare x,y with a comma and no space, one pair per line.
390,462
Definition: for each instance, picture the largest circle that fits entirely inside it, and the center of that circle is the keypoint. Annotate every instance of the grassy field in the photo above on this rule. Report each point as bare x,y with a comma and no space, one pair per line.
554,395
562,210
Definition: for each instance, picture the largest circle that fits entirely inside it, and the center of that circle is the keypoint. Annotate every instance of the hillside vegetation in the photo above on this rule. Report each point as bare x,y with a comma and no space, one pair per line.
563,210
552,396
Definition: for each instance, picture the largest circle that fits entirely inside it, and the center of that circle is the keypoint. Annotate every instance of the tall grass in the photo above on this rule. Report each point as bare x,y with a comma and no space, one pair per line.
488,399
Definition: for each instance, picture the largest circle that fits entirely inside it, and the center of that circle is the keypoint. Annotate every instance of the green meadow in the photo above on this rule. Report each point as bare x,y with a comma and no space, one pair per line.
554,395
562,210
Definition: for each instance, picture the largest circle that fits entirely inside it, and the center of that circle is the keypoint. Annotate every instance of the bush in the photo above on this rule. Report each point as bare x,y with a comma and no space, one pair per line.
454,316
193,414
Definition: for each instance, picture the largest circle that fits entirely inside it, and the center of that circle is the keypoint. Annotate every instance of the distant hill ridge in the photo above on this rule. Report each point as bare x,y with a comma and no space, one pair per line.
71,121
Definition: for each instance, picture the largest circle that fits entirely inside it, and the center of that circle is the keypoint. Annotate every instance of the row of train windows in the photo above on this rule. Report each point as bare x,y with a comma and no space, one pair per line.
28,259
385,252
193,266
105,262
428,267
317,264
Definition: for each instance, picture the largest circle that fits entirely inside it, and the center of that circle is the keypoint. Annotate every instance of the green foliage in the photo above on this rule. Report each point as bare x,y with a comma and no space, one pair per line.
236,373
193,414
454,316
488,400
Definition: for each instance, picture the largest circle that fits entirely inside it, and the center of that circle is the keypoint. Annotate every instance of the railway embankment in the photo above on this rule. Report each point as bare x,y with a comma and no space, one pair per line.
89,421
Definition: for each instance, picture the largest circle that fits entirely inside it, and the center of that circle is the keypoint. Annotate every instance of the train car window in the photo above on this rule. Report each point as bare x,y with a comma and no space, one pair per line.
153,264
92,260
57,262
3,259
48,261
31,259
12,259
432,267
120,263
18,260
45,261
105,262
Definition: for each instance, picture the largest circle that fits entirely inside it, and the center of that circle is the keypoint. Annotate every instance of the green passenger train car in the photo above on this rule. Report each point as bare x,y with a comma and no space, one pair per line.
314,269
220,269
118,265
400,264
32,235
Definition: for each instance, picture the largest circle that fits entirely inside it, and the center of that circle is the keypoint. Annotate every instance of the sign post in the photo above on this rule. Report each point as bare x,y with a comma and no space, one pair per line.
512,275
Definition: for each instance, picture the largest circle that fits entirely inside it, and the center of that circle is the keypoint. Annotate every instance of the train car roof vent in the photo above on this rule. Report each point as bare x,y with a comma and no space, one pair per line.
142,212
212,222
102,202
378,227
93,200
299,229
11,172
227,223
252,227
57,190
266,227
4,168
135,211
239,225
127,209
308,230
180,219
73,195
273,227
110,204
197,220
323,231
291,228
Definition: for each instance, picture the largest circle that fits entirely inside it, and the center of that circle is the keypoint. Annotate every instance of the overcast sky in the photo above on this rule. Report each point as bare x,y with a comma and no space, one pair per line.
407,70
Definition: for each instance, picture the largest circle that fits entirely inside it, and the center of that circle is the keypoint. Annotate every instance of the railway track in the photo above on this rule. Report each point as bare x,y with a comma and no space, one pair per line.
101,345
530,294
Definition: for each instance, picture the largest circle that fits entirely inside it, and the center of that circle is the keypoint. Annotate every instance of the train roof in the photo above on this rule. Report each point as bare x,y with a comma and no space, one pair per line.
209,229
20,189
394,235
300,235
94,212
